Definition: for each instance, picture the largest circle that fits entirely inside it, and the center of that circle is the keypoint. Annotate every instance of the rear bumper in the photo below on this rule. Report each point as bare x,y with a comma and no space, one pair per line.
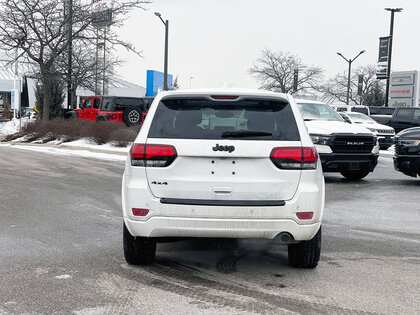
407,164
219,228
229,221
336,162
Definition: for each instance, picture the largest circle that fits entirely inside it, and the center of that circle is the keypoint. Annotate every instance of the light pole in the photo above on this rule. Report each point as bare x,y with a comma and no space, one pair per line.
69,52
348,80
391,34
191,77
165,71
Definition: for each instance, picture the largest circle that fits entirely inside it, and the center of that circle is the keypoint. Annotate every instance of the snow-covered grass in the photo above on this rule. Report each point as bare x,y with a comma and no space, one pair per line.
11,127
88,144
73,132
108,141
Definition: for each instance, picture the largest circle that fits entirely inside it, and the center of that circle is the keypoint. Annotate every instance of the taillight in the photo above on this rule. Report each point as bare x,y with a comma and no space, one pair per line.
294,158
152,155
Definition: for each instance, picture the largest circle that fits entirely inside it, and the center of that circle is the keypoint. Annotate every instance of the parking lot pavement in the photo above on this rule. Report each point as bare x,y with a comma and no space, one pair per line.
61,250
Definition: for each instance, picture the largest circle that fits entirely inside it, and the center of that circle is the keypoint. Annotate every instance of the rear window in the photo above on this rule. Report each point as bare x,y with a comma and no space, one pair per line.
406,114
362,110
207,119
311,111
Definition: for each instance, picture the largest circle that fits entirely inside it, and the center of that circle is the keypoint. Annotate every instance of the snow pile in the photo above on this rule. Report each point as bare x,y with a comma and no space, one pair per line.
86,143
12,126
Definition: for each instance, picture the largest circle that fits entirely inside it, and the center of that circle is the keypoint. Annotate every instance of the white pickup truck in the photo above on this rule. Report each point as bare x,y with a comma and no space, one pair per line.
351,150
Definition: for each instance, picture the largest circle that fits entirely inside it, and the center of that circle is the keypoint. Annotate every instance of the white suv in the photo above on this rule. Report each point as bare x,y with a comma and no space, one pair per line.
223,164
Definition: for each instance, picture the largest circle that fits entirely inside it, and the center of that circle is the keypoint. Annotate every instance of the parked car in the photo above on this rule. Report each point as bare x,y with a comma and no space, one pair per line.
352,108
384,133
404,118
382,119
381,110
28,113
2,119
407,152
351,150
128,110
223,164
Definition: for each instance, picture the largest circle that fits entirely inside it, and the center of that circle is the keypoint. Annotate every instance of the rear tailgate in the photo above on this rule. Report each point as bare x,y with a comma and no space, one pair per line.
199,172
223,149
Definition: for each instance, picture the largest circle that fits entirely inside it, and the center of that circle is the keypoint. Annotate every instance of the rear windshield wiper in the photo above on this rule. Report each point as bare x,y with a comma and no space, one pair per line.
240,134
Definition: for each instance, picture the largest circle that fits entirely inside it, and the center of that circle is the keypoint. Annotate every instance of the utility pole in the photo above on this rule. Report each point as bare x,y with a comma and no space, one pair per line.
165,71
349,76
69,52
391,34
104,65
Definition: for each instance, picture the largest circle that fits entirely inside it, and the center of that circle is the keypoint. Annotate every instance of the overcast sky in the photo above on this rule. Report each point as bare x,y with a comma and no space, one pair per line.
217,41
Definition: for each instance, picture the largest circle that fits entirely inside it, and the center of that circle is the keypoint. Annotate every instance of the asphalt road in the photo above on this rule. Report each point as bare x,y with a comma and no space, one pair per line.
61,250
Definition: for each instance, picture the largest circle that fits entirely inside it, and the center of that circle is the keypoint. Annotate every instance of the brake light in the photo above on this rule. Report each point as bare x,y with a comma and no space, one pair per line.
224,97
152,155
294,158
305,215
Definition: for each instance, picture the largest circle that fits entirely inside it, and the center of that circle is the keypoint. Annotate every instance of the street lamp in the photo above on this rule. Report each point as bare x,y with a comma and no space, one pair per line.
191,77
391,34
165,71
348,80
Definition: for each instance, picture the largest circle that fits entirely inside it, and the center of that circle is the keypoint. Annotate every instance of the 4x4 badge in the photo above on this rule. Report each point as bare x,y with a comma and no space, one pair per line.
229,148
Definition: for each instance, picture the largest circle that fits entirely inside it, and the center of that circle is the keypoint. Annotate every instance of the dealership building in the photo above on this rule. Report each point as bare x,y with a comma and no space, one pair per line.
116,86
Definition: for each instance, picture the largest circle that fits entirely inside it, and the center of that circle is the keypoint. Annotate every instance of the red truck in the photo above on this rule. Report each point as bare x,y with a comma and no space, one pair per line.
128,110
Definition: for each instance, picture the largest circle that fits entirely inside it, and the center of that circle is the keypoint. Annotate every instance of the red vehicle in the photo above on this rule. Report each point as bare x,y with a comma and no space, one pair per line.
128,110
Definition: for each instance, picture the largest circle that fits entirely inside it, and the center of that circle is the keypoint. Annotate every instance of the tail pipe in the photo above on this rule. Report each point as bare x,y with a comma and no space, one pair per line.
285,238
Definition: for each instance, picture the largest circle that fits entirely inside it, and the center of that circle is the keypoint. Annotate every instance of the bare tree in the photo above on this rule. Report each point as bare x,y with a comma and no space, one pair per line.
39,29
372,93
275,71
86,69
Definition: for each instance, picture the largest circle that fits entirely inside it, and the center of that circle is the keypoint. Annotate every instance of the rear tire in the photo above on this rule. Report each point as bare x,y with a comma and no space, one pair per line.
132,116
138,250
306,254
101,119
354,175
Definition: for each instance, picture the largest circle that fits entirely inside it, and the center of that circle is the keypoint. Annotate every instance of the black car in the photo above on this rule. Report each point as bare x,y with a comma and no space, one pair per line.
405,117
407,152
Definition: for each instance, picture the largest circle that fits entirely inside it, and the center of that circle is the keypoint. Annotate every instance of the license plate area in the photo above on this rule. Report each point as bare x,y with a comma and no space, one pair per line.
224,166
354,166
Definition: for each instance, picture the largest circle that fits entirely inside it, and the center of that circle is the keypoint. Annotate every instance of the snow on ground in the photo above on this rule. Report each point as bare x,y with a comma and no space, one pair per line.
81,147
86,143
63,151
389,151
12,126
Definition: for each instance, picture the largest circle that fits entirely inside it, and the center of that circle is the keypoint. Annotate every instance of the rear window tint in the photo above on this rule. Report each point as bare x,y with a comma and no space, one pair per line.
207,119
360,110
407,114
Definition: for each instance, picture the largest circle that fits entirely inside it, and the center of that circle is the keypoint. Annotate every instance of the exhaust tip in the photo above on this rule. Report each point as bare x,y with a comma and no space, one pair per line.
285,238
